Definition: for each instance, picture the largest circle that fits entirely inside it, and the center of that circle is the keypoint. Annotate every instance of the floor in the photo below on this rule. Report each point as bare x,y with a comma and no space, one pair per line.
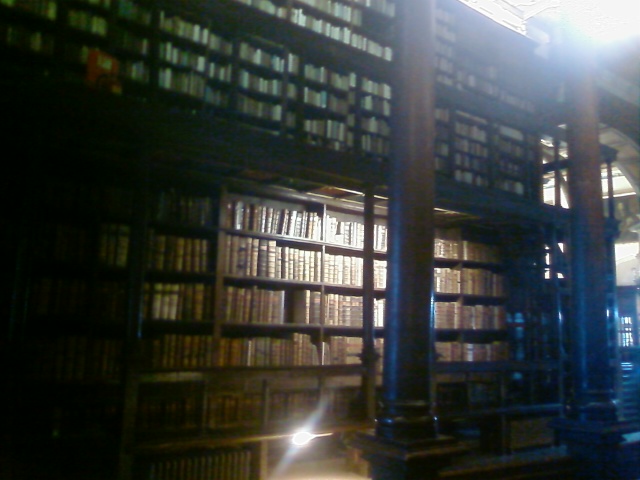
335,469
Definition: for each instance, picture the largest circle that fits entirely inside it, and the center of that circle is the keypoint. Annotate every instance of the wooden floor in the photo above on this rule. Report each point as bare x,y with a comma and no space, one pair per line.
333,469
535,465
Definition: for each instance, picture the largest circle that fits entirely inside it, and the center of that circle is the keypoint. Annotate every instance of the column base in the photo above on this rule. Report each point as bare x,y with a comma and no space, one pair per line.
599,449
413,459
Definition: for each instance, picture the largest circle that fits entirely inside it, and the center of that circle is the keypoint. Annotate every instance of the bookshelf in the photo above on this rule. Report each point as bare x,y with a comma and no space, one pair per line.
221,62
494,367
226,313
197,312
251,323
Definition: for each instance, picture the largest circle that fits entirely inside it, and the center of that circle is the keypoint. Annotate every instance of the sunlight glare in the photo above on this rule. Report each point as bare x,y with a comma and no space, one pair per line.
603,20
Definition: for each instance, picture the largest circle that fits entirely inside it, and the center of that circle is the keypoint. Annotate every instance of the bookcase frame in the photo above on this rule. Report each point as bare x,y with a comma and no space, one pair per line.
187,391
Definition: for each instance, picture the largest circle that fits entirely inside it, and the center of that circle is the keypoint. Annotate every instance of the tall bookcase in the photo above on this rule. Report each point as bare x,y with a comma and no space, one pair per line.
181,309
182,322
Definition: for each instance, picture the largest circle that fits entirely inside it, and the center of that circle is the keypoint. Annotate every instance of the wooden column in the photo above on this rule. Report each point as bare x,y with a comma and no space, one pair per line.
406,444
408,362
592,431
593,373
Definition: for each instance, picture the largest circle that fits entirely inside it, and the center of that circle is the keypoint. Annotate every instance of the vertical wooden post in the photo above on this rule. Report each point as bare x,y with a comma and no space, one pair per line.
592,430
591,367
406,444
408,354
369,355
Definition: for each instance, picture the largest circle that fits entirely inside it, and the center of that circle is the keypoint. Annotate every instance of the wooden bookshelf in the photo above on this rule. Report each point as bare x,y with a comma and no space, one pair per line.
223,61
204,291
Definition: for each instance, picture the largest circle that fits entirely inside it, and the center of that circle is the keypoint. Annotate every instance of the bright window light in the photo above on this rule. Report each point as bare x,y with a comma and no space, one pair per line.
599,19
604,21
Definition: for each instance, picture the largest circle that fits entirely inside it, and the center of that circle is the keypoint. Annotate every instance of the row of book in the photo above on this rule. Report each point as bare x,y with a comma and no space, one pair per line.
182,28
343,270
175,207
265,85
470,177
251,409
220,72
473,79
468,281
510,148
74,358
471,352
474,147
168,413
379,89
82,299
43,8
375,145
471,147
454,315
445,248
194,81
329,128
173,351
446,280
470,126
442,152
376,105
341,34
132,43
372,125
479,281
180,352
170,53
88,22
278,62
187,83
507,167
480,252
178,301
342,351
243,214
325,100
256,305
202,351
472,166
219,464
509,185
73,243
307,307
464,73
136,71
272,112
298,350
342,10
216,97
177,254
346,310
321,74
23,38
113,249
256,257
